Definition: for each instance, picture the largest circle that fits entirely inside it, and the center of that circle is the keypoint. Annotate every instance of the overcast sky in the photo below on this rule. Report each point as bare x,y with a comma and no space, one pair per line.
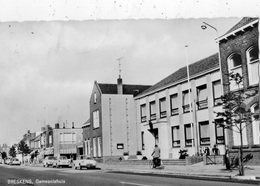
48,68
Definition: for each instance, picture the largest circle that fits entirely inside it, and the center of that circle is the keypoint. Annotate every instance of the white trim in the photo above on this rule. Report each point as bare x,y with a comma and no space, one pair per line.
237,30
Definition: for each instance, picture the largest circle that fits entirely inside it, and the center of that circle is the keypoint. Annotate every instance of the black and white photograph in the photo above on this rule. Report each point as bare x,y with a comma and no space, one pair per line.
129,93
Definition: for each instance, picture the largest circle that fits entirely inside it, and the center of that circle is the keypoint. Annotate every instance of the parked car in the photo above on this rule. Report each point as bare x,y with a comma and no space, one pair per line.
61,161
84,161
48,161
7,161
15,161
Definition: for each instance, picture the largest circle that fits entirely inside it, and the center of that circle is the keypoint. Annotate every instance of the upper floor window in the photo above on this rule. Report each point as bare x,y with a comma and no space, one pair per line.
217,93
174,104
152,110
96,119
252,56
255,125
163,108
67,137
95,97
143,113
186,101
235,66
202,97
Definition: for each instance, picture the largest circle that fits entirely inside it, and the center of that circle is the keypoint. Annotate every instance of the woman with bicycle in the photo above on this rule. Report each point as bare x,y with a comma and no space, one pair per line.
156,156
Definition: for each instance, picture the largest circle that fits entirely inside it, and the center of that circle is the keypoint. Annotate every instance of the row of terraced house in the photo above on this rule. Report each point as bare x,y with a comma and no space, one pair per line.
175,113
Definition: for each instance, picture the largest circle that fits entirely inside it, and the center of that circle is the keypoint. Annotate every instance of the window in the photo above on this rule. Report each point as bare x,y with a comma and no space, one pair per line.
236,134
99,146
252,62
143,113
217,93
94,147
50,139
174,104
96,119
202,97
163,112
186,101
142,140
152,110
120,146
204,133
188,135
95,97
235,66
67,138
219,131
255,125
176,136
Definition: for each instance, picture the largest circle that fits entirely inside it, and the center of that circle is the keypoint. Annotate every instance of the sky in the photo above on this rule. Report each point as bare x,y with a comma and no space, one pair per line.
48,67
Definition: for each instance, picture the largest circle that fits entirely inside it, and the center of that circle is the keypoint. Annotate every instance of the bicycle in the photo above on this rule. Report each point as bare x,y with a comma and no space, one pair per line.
159,166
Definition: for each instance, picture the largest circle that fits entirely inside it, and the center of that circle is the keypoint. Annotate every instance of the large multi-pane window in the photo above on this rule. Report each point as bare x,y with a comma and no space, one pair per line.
99,146
202,97
95,97
143,113
252,62
217,92
174,104
186,101
152,110
87,147
188,135
67,138
235,66
176,136
163,112
219,131
96,119
204,133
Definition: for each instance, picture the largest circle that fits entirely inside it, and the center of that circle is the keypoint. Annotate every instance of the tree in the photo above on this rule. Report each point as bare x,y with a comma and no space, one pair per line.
4,155
12,151
23,149
236,116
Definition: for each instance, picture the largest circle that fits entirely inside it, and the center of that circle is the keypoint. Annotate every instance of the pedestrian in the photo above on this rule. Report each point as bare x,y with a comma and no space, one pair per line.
156,156
207,151
227,162
215,150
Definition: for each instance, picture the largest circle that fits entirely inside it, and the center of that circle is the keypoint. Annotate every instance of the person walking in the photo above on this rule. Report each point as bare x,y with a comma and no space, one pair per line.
156,156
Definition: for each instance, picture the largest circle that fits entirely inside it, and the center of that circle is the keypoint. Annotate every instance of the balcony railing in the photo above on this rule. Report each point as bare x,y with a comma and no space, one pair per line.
152,116
202,104
143,119
175,111
205,141
176,143
220,140
163,114
186,108
188,142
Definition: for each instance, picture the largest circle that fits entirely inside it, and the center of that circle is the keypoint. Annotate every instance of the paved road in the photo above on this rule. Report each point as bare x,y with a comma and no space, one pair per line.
12,175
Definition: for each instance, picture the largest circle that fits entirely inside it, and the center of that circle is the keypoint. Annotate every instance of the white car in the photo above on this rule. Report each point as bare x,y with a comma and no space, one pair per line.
62,161
48,161
15,161
84,161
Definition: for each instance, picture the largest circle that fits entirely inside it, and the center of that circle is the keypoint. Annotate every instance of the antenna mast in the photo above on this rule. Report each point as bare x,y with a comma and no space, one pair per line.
119,65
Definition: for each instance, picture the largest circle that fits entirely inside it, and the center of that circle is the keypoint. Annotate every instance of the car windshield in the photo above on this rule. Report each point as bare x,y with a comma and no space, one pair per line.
51,158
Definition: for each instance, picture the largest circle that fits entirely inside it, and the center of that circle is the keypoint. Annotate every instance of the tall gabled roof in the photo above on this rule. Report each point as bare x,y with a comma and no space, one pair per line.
196,68
242,23
127,89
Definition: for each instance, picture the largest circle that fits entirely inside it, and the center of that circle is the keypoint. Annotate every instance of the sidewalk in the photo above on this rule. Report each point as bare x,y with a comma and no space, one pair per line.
197,170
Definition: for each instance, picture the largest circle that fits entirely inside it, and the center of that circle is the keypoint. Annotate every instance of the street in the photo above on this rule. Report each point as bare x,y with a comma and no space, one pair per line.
27,175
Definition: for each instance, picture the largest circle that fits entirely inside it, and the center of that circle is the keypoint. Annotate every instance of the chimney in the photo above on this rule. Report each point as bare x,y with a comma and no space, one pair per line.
57,125
119,86
73,125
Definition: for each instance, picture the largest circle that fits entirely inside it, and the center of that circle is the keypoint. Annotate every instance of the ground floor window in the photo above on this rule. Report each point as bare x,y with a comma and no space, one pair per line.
236,135
176,136
94,147
219,131
255,125
99,146
188,135
204,133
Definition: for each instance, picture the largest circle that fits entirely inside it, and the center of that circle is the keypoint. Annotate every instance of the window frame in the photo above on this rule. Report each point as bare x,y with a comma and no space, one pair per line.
207,139
216,100
202,104
250,63
186,107
230,61
95,123
188,142
174,110
143,115
163,113
95,98
152,115
178,141
219,137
